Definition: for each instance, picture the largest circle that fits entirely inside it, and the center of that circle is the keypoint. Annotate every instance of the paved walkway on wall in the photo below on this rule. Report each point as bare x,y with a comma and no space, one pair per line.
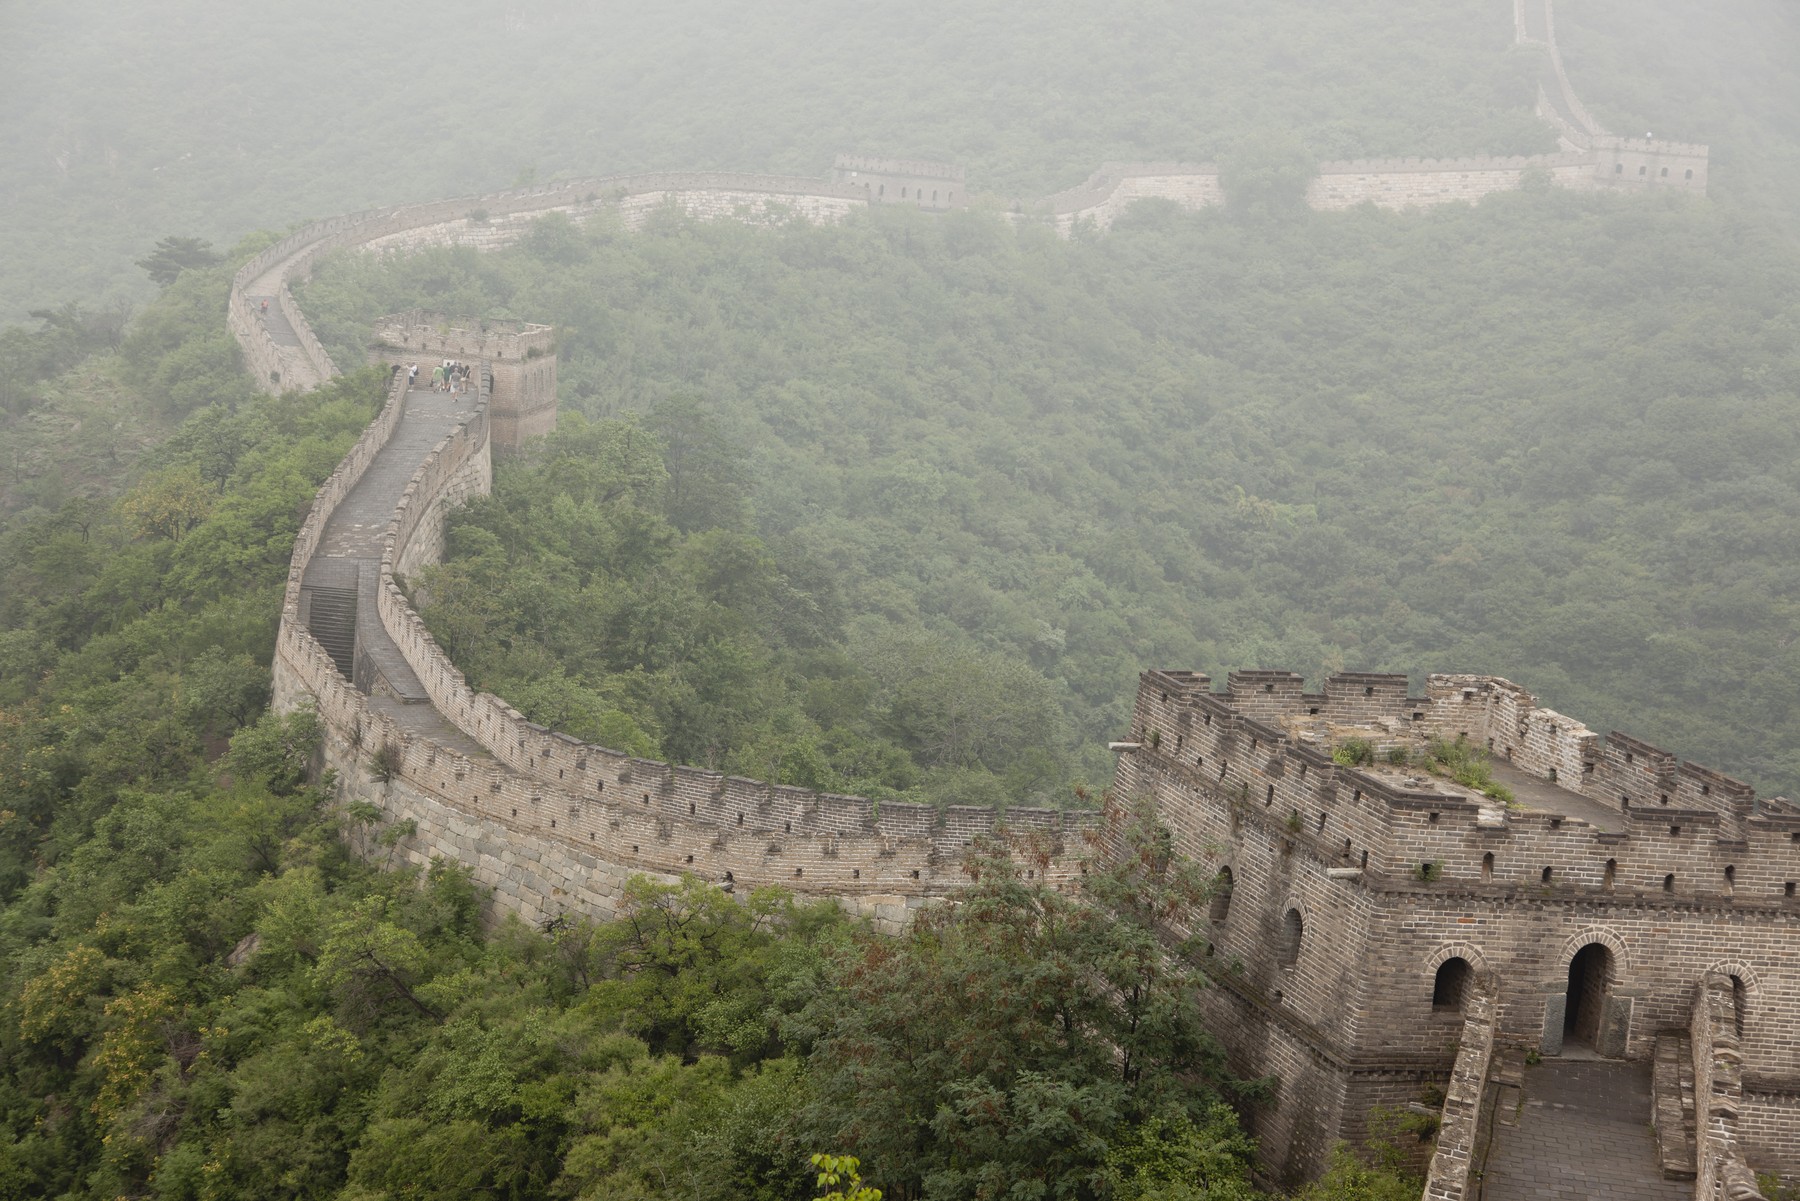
1583,1134
281,330
349,555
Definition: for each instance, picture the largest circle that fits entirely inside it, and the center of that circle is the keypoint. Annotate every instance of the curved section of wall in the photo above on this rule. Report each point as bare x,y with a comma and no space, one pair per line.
643,815
556,825
499,792
280,362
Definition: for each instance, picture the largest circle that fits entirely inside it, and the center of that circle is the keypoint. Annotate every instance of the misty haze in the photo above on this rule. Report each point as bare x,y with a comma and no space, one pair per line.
968,600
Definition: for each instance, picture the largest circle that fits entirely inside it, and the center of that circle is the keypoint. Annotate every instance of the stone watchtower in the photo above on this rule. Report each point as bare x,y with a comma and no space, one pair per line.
933,186
1382,915
519,360
1646,162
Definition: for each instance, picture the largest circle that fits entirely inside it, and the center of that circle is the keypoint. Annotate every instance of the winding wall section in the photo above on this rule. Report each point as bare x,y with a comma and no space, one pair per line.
552,823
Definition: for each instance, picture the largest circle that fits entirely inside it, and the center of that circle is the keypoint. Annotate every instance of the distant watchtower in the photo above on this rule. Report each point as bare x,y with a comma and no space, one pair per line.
520,359
1645,162
926,185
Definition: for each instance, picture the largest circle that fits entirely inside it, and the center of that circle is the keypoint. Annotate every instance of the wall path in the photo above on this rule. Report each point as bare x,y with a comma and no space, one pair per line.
459,751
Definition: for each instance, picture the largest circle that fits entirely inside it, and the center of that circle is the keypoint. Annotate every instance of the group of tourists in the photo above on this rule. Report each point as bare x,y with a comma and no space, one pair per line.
449,376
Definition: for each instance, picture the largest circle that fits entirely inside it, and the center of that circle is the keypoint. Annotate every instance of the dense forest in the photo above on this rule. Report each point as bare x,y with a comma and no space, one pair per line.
897,507
1548,437
212,988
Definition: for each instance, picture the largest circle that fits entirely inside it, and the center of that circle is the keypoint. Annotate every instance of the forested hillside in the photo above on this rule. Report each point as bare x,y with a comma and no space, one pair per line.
1550,437
125,123
898,507
210,988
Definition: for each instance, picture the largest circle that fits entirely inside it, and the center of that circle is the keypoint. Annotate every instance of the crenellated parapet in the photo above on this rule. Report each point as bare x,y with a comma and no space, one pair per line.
1373,867
281,358
550,823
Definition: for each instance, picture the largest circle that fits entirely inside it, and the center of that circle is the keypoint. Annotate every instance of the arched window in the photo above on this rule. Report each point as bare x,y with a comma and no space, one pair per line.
1292,931
1451,985
1738,997
1487,866
1221,897
1612,870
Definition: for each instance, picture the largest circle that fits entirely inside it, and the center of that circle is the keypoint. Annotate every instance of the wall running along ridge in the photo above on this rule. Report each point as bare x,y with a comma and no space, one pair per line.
1686,876
555,825
1591,159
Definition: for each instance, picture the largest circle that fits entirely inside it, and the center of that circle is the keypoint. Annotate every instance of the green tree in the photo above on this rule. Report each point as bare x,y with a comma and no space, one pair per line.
175,254
1265,176
1007,1042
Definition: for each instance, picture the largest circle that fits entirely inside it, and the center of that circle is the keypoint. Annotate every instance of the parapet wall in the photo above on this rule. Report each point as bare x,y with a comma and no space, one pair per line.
556,825
419,333
489,221
1352,874
1460,1130
1734,1127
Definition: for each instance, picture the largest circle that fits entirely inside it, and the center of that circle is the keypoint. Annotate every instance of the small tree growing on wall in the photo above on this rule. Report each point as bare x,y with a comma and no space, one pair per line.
1265,176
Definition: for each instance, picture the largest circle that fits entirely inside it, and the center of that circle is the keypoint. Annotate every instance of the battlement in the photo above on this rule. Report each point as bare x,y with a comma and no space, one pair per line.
1409,165
1617,815
1374,878
425,332
517,360
913,182
919,168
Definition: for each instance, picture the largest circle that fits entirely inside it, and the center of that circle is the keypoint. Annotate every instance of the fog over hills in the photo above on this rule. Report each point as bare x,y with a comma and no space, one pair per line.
123,123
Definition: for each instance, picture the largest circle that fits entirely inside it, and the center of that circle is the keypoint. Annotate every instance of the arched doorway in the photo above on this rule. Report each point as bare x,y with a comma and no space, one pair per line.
1590,976
1451,985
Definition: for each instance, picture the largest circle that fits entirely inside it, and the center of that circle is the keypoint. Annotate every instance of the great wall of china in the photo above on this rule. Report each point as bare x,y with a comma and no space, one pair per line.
1317,855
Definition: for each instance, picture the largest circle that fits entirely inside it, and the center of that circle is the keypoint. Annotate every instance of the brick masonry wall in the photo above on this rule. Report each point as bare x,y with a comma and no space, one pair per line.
1448,1179
1251,795
568,803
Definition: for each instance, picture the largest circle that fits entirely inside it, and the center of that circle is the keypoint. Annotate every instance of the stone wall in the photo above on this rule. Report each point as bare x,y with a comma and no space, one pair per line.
1723,1174
1460,1130
518,361
1389,872
490,221
578,819
912,182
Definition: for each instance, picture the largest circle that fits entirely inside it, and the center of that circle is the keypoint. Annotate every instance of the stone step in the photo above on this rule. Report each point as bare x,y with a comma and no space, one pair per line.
331,619
1672,1104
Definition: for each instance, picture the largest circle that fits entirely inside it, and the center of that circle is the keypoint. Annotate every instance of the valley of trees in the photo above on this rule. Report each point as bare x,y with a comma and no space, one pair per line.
211,988
899,507
1549,437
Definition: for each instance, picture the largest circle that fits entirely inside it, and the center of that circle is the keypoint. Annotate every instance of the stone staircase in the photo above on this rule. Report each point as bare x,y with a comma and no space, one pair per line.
328,606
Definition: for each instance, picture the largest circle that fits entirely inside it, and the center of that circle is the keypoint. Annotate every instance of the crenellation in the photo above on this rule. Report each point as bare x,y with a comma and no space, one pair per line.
1389,872
1350,886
